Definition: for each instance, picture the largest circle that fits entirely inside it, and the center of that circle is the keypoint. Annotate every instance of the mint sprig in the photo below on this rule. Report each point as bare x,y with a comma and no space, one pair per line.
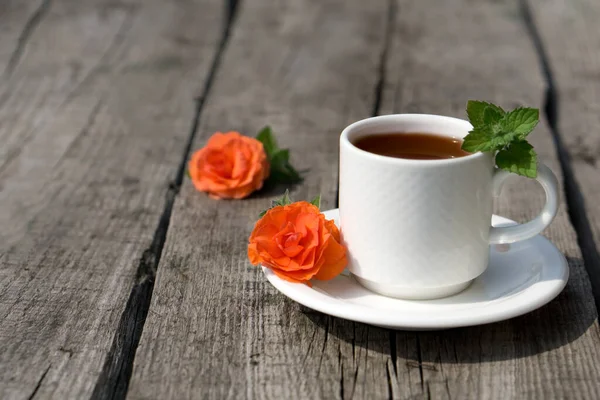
503,132
281,171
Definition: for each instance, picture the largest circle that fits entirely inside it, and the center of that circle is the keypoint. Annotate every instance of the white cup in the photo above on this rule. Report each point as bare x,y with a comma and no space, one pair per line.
420,229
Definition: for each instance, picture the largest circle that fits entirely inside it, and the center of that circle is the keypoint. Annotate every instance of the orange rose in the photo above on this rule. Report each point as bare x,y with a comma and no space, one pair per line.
297,243
230,166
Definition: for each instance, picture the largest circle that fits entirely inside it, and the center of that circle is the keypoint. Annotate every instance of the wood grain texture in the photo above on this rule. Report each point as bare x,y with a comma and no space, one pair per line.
95,113
570,36
19,21
217,329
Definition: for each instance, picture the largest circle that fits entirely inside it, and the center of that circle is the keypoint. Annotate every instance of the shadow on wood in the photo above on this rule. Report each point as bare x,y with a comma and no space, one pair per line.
552,326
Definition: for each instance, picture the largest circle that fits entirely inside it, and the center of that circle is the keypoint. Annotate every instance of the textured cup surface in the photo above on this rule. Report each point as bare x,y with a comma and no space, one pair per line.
414,228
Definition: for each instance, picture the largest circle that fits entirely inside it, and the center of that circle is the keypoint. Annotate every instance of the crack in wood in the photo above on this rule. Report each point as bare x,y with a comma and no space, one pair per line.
575,202
324,345
312,340
357,365
447,389
420,361
39,383
353,341
114,378
393,351
389,381
389,29
341,363
354,380
30,26
455,353
85,130
68,352
116,42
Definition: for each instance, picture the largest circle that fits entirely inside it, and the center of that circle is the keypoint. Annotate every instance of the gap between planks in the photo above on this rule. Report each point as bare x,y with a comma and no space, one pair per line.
113,381
573,196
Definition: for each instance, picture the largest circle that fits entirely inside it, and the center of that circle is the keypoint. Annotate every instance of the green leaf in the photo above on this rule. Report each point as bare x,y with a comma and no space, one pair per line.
266,137
281,169
316,202
279,159
519,158
283,201
492,116
285,174
476,112
488,138
520,122
280,156
187,173
479,139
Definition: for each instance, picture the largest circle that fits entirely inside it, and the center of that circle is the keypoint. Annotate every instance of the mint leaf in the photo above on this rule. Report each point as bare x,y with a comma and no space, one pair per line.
316,202
266,137
488,138
520,122
479,139
476,112
502,139
492,116
519,158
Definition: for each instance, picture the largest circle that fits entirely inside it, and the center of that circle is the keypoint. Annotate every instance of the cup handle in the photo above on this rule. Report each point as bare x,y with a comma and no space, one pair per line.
515,233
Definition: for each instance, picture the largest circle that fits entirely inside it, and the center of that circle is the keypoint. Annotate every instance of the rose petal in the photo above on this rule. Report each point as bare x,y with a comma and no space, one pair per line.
334,261
302,275
253,254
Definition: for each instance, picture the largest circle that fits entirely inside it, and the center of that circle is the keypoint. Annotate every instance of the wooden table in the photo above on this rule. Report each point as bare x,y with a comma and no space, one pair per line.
118,279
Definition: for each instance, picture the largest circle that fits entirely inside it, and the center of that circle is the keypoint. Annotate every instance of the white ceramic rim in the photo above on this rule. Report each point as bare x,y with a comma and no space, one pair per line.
512,306
399,119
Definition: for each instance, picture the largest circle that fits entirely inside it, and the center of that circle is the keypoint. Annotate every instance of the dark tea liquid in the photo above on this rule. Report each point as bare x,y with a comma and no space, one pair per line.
412,146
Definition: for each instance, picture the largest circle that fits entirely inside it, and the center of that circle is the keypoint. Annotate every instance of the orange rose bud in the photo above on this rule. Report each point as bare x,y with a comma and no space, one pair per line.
230,166
297,243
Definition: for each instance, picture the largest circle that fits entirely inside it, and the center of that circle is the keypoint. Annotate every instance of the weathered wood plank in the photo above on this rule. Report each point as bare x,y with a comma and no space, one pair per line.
571,39
218,330
441,56
95,113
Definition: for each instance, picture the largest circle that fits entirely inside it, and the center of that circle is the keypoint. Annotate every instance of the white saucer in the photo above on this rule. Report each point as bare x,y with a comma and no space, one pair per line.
520,278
